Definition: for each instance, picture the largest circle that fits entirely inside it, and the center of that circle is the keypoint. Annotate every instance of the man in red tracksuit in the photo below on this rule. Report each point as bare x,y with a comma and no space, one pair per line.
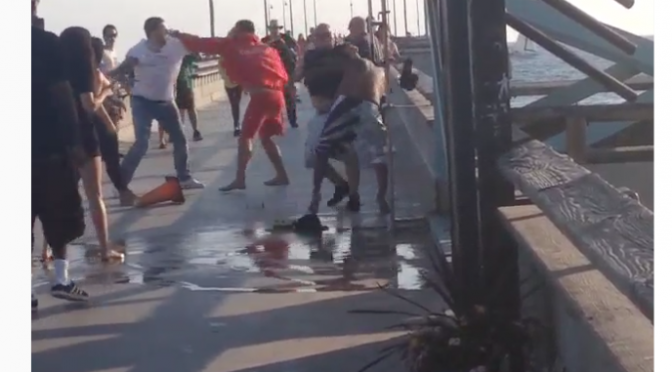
258,68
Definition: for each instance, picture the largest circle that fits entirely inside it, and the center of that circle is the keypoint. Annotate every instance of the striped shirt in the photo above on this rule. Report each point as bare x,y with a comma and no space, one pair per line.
340,127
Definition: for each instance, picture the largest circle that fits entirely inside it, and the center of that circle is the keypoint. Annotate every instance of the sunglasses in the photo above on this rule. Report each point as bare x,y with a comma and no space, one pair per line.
323,35
110,35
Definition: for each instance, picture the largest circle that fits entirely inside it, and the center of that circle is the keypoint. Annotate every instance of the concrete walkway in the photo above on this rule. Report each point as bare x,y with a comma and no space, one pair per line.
205,287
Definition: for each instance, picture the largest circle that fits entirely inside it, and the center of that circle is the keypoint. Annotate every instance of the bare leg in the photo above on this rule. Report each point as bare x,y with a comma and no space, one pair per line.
46,254
193,119
333,176
91,174
281,178
244,156
351,162
381,177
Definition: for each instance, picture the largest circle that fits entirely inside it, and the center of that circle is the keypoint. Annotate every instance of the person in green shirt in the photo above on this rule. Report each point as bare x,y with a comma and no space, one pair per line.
184,95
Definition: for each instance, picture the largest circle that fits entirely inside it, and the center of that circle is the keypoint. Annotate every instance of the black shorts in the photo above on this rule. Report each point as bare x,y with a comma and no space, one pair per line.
56,201
184,97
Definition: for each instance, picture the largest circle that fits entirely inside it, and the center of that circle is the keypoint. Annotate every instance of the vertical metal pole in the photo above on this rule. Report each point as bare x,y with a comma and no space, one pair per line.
305,18
352,10
284,15
440,110
386,108
315,13
369,20
211,5
490,78
405,19
427,14
265,17
394,15
454,21
291,18
417,13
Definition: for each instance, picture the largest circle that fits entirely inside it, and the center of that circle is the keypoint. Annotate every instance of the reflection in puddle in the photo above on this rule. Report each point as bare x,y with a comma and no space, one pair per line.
339,260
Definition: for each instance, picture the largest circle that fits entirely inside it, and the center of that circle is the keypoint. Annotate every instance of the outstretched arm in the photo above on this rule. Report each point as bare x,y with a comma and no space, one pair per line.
220,46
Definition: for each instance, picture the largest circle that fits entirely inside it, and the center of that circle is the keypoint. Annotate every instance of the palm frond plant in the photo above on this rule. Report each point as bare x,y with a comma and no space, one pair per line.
459,338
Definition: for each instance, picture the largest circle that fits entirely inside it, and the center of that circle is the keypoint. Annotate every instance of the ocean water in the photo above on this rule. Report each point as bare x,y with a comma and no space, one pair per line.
537,66
540,65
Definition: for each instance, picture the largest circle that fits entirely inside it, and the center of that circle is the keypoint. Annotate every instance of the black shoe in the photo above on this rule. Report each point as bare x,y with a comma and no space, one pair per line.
69,292
33,302
340,192
354,204
236,131
294,124
197,136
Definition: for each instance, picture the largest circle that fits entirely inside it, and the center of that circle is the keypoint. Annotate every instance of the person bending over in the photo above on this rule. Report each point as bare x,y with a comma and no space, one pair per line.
322,90
353,126
258,68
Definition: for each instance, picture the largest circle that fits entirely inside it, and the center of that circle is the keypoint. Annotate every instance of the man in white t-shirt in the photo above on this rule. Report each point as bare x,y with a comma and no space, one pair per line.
155,62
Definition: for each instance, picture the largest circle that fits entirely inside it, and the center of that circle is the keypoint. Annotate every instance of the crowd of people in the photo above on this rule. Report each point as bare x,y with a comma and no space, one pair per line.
78,86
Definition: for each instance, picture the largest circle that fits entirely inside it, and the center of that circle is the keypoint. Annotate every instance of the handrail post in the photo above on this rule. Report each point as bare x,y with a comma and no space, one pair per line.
576,138
492,119
454,28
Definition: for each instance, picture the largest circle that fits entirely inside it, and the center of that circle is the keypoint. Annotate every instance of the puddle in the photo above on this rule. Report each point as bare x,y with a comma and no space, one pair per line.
338,260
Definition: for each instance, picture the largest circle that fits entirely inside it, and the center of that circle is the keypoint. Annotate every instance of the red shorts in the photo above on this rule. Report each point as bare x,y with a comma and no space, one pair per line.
264,115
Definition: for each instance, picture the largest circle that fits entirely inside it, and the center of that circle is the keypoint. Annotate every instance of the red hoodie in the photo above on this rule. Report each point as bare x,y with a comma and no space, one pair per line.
247,60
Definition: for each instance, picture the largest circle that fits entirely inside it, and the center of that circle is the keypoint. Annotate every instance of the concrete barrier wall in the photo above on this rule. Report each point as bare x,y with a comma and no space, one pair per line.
587,324
417,114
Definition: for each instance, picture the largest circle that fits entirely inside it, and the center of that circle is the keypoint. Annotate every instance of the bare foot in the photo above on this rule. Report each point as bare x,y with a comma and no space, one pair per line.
127,198
277,181
235,185
112,255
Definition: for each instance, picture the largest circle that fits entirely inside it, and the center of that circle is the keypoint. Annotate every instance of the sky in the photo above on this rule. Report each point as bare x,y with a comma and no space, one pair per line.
192,16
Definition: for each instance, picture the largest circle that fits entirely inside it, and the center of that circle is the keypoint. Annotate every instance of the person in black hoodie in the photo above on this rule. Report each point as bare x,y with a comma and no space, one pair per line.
56,153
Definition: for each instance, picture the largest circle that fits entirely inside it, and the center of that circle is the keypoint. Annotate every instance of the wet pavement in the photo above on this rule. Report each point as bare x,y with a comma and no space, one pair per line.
207,287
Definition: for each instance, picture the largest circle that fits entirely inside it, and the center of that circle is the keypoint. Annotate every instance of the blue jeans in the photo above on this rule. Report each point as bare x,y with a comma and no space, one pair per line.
144,111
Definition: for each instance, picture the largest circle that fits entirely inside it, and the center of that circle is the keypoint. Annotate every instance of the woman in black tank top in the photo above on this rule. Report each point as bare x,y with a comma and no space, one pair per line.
78,52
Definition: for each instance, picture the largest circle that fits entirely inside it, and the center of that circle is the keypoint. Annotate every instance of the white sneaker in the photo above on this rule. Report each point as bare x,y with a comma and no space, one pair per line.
192,184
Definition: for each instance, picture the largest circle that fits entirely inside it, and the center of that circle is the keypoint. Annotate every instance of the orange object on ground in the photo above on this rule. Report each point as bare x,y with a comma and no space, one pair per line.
171,191
264,115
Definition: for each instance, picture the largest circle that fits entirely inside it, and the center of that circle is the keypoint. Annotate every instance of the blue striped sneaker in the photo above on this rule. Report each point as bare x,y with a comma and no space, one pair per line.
69,292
